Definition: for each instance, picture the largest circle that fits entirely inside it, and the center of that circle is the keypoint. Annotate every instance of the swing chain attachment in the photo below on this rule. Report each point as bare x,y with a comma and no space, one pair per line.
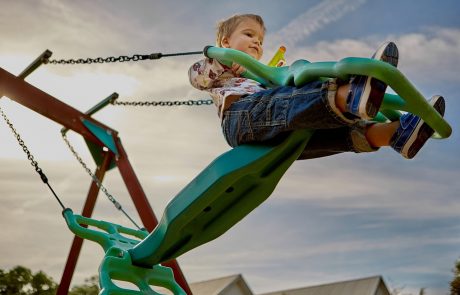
30,157
21,142
174,103
96,180
122,58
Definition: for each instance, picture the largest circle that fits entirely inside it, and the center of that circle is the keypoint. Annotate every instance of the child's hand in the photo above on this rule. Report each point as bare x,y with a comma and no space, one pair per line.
237,69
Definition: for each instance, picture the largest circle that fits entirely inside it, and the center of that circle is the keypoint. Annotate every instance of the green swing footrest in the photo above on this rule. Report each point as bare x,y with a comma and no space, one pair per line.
119,268
117,264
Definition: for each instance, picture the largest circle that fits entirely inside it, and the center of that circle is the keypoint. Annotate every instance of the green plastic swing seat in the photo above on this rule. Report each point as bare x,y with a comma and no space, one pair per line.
238,181
221,195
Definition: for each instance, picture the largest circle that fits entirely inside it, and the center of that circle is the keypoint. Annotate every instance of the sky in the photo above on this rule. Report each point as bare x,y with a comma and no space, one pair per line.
331,219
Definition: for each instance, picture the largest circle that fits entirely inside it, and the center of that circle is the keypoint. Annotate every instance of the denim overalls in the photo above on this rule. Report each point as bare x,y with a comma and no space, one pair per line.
274,112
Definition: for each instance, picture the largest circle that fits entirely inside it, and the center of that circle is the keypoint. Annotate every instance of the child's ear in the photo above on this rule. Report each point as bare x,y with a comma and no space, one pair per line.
224,43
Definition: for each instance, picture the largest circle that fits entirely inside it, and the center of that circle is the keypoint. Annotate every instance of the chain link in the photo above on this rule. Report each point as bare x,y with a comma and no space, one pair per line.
30,157
44,178
122,58
164,103
96,180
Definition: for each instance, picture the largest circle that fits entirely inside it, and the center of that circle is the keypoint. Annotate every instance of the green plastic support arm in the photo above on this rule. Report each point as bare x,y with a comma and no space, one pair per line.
301,72
117,264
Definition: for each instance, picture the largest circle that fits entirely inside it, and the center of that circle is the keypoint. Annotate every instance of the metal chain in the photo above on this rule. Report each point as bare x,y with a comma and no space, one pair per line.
30,157
170,103
45,179
21,142
96,180
122,58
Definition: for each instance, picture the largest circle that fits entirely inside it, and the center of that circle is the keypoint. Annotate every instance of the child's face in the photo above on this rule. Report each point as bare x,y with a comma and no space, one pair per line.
247,37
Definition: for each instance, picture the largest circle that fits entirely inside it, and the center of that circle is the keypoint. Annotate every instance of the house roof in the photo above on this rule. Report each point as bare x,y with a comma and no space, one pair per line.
219,285
364,286
235,284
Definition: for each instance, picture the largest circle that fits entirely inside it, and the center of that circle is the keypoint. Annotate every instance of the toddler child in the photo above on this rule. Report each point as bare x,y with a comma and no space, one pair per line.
339,111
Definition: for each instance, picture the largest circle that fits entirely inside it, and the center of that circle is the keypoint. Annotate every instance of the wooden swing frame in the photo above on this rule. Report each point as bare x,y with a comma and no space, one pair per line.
18,90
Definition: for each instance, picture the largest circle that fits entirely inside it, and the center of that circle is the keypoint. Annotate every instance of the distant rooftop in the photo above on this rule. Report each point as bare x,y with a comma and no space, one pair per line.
365,286
236,285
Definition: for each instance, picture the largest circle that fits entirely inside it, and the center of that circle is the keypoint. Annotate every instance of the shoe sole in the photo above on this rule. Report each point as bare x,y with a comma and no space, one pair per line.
375,89
423,131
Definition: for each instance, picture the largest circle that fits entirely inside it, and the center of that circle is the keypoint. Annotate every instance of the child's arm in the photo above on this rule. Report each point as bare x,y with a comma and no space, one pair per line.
204,73
237,69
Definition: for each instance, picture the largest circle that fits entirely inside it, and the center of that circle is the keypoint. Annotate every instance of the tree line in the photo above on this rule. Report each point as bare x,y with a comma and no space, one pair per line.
22,281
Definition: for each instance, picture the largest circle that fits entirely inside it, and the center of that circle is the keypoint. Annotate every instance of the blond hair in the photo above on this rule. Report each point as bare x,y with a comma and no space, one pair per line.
226,27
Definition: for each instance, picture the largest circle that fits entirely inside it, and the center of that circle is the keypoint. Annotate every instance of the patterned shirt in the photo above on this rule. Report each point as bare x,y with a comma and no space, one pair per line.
218,79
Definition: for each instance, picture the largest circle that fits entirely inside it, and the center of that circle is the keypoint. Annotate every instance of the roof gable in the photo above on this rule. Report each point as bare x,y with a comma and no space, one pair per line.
365,286
231,285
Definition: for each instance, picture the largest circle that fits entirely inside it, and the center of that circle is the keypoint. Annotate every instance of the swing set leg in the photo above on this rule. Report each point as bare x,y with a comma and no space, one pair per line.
144,209
77,241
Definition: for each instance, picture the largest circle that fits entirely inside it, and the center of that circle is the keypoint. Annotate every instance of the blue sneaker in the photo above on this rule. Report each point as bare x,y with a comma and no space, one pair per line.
412,134
366,93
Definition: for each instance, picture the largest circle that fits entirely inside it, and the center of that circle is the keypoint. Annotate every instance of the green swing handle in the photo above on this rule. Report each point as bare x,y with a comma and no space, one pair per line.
301,72
110,235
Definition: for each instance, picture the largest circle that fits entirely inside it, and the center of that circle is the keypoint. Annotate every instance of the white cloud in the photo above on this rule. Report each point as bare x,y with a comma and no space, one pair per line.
429,57
395,187
59,26
312,20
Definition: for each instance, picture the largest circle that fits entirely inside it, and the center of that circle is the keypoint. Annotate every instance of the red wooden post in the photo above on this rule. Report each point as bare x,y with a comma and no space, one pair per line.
143,207
77,243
